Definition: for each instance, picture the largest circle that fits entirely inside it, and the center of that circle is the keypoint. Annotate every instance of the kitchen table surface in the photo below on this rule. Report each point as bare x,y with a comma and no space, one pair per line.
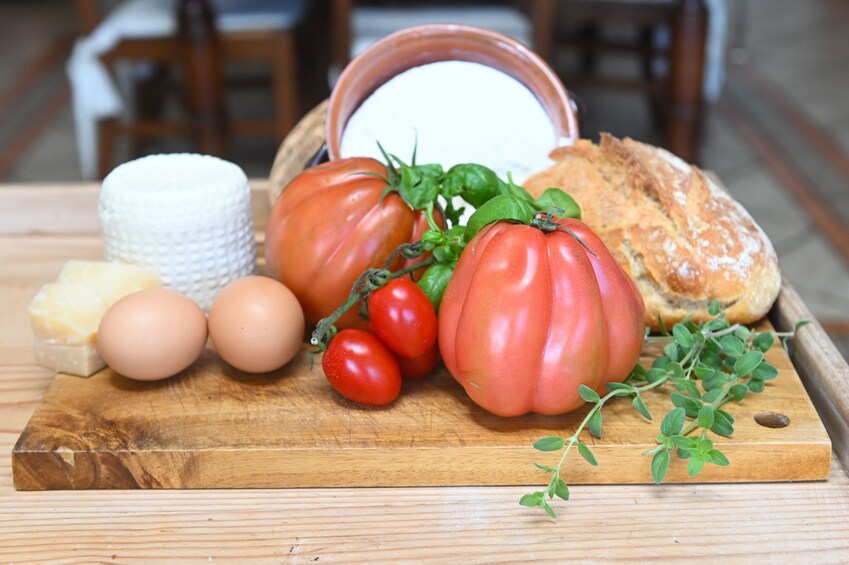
42,226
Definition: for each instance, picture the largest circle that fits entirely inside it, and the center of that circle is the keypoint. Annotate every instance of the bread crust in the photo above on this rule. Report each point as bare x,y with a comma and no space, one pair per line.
682,238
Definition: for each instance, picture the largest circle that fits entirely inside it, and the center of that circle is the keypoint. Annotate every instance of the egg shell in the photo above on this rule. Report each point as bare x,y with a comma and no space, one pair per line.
256,324
152,334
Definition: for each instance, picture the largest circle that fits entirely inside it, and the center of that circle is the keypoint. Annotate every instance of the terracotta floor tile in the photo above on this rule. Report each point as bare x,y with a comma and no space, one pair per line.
820,276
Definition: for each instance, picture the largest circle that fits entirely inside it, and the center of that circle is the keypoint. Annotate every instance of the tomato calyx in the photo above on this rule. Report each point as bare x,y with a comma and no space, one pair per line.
368,282
547,222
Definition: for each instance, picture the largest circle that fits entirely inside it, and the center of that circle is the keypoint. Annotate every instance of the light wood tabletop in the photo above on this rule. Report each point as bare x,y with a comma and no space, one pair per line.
43,226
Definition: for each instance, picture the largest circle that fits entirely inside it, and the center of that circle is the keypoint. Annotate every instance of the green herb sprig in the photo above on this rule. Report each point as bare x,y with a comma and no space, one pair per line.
710,365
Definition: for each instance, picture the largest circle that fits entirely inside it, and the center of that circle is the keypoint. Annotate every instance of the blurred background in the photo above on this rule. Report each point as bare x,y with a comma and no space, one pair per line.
753,90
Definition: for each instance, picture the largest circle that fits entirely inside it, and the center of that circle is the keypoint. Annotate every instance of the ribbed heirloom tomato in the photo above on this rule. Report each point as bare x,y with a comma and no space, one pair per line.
530,315
328,226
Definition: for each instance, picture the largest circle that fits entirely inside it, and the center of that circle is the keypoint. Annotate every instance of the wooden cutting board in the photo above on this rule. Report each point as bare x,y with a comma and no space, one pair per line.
215,427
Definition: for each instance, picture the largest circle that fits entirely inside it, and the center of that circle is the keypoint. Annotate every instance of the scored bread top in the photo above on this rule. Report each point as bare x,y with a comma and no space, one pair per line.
682,238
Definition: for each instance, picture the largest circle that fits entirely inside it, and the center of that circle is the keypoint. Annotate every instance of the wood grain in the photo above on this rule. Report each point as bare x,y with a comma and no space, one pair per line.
747,523
824,369
215,427
75,212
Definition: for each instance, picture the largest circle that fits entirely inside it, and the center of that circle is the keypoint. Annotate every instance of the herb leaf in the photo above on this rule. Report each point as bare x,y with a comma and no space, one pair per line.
550,443
673,422
660,466
587,454
588,394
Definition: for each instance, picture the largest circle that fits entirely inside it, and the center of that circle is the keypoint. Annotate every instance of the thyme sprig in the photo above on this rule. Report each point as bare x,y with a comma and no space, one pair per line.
710,365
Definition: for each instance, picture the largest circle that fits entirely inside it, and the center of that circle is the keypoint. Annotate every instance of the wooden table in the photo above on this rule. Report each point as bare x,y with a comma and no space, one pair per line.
43,226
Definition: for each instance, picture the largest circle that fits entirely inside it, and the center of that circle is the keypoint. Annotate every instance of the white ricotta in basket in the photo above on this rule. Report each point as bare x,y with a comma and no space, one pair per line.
185,217
459,112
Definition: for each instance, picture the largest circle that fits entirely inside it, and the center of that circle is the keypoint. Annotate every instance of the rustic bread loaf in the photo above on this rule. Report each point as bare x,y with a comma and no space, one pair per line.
683,240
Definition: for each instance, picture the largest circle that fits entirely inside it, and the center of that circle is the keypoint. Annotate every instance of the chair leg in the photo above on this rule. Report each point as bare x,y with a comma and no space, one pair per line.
686,73
655,99
105,145
149,103
201,50
542,20
285,85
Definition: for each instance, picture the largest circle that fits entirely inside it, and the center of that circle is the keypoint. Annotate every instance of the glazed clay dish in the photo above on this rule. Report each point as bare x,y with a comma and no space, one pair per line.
433,43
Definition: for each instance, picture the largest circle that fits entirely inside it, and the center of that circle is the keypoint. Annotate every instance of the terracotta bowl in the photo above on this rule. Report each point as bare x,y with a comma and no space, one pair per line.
416,46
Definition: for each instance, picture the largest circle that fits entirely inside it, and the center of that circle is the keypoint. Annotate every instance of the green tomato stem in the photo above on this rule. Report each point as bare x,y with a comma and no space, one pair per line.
369,281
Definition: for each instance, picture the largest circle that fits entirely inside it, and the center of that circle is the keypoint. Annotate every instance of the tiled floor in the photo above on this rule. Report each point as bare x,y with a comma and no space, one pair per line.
799,50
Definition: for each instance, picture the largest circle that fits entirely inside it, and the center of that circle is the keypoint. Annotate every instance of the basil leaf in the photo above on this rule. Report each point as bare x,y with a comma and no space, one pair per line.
419,185
555,198
502,207
476,184
434,281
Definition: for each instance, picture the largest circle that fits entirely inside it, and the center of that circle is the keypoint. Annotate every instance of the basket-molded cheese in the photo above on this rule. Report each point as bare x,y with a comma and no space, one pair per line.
185,217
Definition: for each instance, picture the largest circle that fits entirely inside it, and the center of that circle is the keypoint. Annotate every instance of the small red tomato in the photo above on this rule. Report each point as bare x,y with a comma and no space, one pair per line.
361,369
417,367
403,318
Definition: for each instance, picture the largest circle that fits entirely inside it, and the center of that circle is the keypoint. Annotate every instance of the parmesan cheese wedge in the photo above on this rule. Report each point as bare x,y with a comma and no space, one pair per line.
64,315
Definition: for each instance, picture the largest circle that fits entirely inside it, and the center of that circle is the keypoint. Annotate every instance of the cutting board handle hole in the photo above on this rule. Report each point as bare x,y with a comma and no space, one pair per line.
772,420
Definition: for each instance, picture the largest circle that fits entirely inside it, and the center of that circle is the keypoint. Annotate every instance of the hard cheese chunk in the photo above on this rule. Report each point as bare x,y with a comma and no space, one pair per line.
66,313
112,281
64,316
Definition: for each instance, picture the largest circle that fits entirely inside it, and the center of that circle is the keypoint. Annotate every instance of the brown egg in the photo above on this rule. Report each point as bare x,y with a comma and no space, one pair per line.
152,334
256,324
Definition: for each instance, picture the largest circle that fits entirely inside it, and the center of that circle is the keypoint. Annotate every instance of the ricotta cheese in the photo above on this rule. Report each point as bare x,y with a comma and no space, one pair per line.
185,217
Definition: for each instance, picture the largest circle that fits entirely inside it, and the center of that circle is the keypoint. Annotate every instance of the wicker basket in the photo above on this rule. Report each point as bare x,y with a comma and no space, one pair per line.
296,151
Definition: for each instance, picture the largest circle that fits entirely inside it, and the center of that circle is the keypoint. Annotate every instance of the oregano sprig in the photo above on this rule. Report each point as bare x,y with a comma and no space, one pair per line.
710,364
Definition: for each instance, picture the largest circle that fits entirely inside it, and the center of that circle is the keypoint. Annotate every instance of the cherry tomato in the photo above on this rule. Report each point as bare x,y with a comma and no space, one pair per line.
417,367
403,318
361,369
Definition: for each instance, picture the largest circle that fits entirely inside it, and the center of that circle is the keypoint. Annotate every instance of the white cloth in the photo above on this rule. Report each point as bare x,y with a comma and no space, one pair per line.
95,94
369,24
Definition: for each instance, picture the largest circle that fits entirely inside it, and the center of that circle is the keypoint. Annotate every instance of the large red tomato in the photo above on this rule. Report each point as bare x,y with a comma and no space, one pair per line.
529,316
328,226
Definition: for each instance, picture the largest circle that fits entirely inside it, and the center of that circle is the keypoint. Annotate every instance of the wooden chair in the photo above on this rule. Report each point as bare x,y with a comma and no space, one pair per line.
200,51
510,17
676,95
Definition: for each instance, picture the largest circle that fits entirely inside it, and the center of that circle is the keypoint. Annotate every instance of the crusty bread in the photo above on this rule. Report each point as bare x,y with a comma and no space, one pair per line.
683,240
